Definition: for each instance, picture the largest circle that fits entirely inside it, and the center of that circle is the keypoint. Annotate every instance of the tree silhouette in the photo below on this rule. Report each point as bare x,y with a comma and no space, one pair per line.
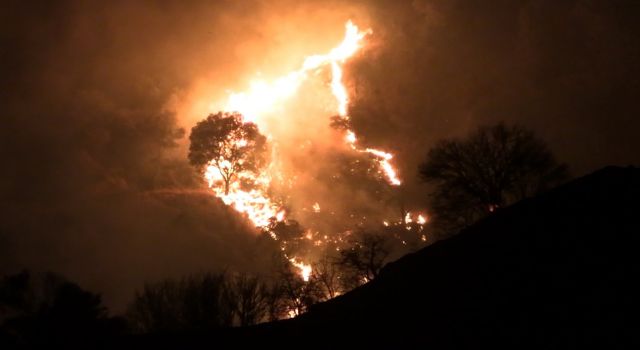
363,260
192,303
200,302
293,295
46,309
493,167
250,298
229,144
326,275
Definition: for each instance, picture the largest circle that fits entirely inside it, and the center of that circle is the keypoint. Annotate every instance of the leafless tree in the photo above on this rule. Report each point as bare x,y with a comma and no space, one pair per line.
326,275
364,258
249,295
493,167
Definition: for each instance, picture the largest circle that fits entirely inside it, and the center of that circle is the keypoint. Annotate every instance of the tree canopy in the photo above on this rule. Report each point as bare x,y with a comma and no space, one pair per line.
225,141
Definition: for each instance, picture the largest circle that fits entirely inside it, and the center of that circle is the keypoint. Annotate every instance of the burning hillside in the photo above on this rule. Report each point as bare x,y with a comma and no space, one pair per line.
284,154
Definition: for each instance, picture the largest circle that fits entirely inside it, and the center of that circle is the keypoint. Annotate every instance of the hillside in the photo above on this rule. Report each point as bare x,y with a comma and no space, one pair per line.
555,270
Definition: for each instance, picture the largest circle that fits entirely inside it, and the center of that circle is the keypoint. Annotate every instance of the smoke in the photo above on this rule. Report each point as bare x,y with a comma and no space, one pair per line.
568,70
95,183
97,100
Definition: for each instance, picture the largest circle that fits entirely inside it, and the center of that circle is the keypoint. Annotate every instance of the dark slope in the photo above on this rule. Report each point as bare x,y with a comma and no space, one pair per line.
552,271
557,269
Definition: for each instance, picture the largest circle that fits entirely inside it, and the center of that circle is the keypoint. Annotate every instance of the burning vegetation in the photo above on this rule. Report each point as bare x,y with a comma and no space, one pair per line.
245,155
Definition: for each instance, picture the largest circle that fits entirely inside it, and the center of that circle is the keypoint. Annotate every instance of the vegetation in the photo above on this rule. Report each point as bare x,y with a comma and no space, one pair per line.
362,261
46,309
471,177
225,141
489,169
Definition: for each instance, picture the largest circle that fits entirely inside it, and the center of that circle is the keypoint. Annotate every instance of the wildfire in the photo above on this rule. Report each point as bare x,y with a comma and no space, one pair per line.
263,98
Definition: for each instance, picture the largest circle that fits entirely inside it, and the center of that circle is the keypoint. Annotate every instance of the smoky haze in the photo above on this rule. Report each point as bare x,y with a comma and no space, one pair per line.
97,100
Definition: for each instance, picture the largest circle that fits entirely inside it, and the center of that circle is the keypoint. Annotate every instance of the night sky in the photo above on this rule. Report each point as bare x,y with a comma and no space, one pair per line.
97,101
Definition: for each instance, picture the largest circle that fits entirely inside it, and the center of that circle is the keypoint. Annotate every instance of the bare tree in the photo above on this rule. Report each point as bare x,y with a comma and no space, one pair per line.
249,296
229,144
193,302
364,259
296,295
326,276
493,167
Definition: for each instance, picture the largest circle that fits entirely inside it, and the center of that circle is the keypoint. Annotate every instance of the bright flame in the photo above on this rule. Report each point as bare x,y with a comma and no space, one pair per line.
382,158
351,138
254,203
338,89
305,270
387,168
264,97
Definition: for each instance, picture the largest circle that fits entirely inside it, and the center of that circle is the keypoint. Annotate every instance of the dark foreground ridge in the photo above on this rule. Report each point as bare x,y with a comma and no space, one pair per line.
555,270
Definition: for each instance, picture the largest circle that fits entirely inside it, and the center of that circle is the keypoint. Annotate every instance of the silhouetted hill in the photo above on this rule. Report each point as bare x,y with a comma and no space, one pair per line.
552,271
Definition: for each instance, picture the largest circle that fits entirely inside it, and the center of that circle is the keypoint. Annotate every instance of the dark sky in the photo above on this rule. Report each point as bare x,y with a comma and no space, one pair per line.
95,183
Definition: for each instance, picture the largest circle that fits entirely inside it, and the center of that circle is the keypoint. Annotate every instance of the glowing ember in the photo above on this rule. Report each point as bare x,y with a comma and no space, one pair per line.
316,207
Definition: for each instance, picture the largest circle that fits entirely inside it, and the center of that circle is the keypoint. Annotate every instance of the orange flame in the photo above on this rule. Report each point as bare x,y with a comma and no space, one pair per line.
254,202
382,157
305,270
264,96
